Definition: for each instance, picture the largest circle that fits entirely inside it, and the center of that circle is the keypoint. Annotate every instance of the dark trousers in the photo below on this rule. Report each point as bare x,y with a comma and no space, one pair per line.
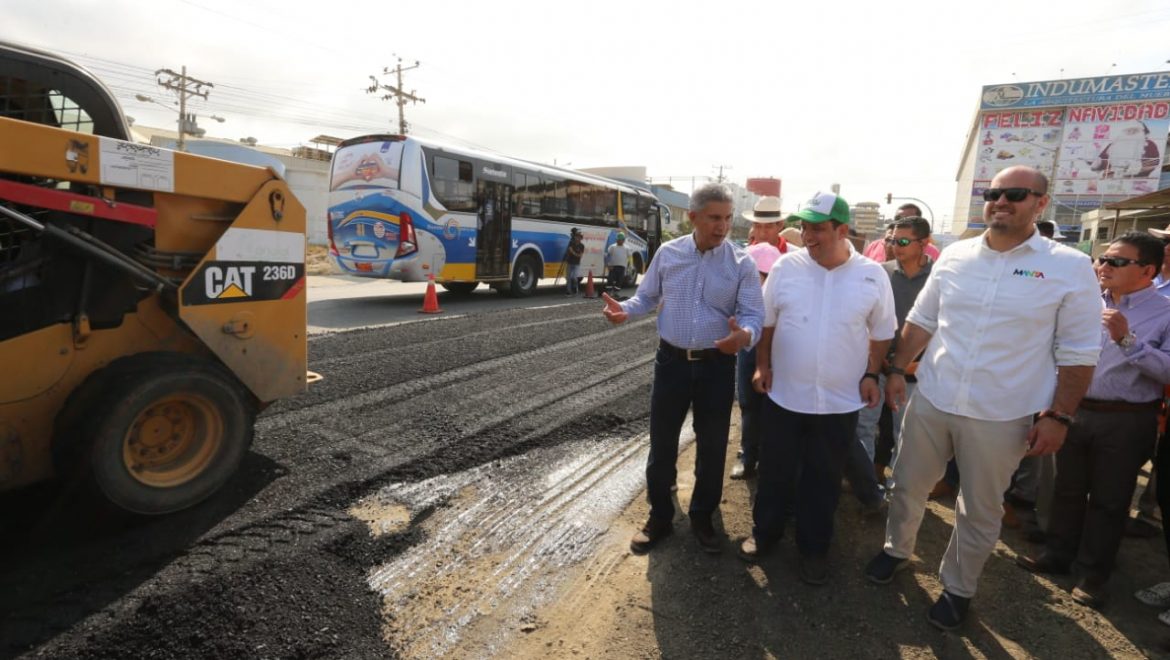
707,389
617,277
750,402
884,448
858,470
1096,474
801,458
1162,467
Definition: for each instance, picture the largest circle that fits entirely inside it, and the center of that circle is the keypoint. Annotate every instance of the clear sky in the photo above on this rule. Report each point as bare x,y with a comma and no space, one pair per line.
875,96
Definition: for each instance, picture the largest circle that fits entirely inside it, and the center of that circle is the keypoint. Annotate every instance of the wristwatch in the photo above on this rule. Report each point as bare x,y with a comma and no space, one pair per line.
1057,416
1127,341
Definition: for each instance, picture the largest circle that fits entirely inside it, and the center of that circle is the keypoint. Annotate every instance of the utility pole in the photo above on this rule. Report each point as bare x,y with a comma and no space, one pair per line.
721,168
396,92
185,86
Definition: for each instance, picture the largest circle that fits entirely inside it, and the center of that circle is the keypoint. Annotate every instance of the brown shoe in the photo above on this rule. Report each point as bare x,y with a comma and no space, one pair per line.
1045,564
1091,592
652,532
814,570
941,489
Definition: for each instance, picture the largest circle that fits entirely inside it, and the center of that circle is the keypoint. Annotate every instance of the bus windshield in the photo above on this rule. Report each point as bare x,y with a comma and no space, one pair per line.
372,164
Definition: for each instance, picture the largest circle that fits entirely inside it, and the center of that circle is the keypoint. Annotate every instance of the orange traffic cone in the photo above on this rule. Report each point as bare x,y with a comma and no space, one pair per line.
589,292
431,299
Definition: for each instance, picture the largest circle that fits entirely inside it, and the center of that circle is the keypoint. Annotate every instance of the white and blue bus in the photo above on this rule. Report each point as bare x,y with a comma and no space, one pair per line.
405,208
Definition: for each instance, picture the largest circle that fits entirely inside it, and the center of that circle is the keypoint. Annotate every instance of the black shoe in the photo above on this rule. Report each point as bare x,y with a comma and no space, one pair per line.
741,471
814,570
652,532
1045,564
1091,592
705,533
1141,529
948,612
876,509
882,568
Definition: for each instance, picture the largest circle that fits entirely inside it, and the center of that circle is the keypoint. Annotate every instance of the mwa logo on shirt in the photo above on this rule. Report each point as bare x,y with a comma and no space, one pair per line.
1029,273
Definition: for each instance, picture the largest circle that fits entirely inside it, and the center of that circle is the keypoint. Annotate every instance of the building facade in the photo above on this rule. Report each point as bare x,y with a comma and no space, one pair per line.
1098,140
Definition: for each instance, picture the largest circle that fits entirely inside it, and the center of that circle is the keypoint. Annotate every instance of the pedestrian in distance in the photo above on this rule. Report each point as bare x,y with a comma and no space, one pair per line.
711,308
828,320
616,258
1116,425
573,255
1006,298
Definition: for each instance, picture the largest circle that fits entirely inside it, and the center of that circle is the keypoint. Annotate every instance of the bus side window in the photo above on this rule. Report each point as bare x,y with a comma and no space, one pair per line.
453,183
629,208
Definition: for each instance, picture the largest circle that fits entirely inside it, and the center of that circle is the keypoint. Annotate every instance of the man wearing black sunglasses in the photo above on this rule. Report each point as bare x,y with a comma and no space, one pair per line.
1115,428
1010,324
907,271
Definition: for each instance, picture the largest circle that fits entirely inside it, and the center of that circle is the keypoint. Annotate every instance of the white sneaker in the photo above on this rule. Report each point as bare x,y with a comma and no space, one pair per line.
1164,617
1157,596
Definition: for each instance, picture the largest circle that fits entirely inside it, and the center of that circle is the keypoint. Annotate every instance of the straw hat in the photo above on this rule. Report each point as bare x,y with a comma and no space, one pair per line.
766,210
792,235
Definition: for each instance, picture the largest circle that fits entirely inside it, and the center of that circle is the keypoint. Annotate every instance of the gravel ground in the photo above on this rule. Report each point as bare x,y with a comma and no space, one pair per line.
273,565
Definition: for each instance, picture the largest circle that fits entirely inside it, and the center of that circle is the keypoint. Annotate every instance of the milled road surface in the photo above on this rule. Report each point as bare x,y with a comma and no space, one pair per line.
283,562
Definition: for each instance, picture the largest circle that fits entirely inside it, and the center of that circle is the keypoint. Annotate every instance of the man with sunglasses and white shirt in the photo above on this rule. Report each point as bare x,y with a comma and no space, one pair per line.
1010,323
1115,428
907,271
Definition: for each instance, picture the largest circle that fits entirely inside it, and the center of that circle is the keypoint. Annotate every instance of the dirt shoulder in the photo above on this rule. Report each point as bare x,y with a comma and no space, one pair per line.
679,602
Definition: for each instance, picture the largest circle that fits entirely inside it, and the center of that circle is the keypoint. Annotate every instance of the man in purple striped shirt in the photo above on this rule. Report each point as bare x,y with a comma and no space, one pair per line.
711,307
1116,424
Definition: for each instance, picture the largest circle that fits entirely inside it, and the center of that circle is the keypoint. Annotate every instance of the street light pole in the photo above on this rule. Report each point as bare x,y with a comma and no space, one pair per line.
182,118
891,198
185,86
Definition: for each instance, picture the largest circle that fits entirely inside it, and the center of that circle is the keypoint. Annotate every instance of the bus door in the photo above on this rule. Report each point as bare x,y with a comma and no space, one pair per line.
653,230
494,235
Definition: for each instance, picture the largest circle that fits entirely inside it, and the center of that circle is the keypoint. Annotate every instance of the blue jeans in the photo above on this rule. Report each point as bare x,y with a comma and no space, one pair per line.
707,389
749,407
571,274
802,457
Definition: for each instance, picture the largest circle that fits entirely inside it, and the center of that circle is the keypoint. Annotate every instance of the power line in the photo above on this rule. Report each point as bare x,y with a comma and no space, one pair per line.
396,92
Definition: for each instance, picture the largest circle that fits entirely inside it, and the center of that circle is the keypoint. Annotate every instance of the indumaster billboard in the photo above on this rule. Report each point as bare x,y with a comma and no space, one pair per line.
1098,139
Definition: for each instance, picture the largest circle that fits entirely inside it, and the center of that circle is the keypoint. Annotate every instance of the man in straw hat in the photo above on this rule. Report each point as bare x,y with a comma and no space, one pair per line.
766,230
766,223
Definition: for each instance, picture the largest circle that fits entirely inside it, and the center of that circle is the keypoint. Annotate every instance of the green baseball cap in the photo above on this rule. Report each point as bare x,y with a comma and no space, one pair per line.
822,207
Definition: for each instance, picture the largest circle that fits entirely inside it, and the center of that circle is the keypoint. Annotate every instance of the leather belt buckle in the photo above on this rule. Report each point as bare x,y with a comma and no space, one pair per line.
691,357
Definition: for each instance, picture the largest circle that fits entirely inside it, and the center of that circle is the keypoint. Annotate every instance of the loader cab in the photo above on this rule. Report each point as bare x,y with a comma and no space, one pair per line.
39,284
43,88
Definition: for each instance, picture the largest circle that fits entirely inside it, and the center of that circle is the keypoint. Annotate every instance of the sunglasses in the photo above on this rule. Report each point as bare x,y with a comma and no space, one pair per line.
1012,194
1117,262
900,242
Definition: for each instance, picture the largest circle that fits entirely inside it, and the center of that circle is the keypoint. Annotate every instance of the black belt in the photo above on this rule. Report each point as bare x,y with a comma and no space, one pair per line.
1097,405
691,354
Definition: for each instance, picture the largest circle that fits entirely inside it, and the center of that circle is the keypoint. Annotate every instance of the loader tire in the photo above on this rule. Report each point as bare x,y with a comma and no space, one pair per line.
169,432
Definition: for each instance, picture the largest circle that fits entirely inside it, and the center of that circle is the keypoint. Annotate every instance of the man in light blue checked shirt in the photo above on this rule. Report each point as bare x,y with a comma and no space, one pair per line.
711,307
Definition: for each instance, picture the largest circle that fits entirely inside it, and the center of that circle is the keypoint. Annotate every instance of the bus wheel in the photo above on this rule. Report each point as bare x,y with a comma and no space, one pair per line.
460,288
631,278
524,277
